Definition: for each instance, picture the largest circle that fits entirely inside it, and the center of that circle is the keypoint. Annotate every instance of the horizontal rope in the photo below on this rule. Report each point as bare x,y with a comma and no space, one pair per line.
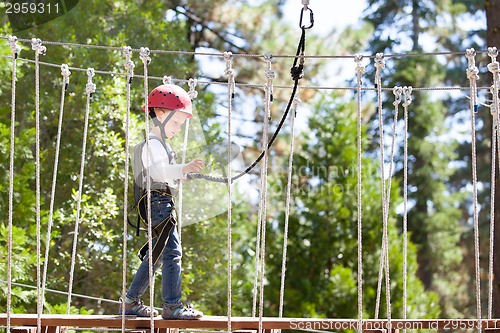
64,293
221,54
245,85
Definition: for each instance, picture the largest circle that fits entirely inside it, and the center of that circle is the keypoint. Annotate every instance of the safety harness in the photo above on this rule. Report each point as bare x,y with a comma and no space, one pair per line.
163,229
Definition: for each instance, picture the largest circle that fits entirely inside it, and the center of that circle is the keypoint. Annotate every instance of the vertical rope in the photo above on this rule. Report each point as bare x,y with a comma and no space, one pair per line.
144,55
384,257
472,75
89,89
192,95
360,70
494,68
407,101
129,67
494,143
65,72
229,71
270,75
15,49
287,205
36,45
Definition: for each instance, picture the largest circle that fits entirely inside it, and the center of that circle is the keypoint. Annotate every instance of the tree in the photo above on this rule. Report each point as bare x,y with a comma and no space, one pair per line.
322,251
434,220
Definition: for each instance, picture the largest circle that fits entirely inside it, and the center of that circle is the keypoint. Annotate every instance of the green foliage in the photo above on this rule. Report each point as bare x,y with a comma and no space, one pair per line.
322,246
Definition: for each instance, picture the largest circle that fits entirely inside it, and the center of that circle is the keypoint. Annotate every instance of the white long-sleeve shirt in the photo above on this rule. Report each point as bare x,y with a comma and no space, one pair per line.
162,169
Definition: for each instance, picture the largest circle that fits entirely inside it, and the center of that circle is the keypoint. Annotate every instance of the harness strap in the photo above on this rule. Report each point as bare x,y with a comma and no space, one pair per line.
162,233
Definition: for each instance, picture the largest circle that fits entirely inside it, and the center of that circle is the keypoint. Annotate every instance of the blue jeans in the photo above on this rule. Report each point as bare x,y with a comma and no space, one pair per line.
170,259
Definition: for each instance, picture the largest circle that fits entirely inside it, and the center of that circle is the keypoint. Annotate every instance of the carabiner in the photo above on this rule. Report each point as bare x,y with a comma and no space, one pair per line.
311,18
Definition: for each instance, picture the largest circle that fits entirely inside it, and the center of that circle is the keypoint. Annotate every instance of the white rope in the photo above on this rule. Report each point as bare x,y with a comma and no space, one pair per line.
65,72
15,49
229,71
89,90
261,214
251,85
407,101
270,75
494,68
129,67
293,114
384,256
494,143
472,75
243,55
360,70
144,55
167,79
36,45
192,95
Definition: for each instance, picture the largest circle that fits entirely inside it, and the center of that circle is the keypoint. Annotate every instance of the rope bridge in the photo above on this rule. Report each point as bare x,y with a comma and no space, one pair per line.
402,98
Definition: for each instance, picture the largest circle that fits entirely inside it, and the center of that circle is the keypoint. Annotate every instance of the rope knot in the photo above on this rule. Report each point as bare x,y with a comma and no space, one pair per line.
129,64
397,91
167,79
65,72
192,85
228,56
144,55
472,71
379,61
407,93
90,87
360,69
14,48
297,72
36,45
493,53
270,74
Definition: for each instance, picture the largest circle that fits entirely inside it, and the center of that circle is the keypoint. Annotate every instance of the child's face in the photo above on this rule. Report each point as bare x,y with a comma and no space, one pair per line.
173,126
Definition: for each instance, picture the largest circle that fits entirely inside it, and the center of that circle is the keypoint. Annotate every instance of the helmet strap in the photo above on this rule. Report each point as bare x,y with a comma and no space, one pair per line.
163,123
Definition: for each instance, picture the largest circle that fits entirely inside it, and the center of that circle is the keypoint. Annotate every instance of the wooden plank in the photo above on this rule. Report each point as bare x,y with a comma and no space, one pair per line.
246,323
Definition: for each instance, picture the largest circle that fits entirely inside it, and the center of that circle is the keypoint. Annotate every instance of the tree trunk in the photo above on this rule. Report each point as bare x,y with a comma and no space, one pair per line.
492,8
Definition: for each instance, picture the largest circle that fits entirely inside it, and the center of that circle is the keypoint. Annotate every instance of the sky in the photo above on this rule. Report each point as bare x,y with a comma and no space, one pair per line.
328,14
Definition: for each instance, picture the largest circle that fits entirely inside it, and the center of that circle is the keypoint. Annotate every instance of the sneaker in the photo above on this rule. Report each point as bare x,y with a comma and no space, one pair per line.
137,308
179,311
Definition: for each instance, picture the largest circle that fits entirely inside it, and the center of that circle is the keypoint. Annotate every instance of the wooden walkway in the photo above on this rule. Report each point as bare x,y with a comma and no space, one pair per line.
59,323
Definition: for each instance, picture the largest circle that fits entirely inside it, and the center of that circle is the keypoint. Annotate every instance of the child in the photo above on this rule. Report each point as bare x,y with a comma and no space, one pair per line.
169,106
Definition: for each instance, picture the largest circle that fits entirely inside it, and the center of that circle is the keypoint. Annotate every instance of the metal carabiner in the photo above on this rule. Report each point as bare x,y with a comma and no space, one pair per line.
311,18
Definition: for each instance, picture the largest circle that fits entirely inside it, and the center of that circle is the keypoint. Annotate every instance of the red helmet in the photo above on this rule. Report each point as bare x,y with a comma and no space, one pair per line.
172,97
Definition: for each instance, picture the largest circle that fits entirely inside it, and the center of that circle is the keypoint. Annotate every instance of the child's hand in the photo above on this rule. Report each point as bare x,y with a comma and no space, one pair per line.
195,165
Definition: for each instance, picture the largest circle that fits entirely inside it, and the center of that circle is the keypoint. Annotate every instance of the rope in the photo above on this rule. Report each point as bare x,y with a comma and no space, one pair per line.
384,256
494,143
246,55
297,72
287,206
144,55
360,70
99,299
229,71
494,68
15,49
407,101
251,85
89,89
263,199
36,45
192,95
472,75
129,66
64,86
